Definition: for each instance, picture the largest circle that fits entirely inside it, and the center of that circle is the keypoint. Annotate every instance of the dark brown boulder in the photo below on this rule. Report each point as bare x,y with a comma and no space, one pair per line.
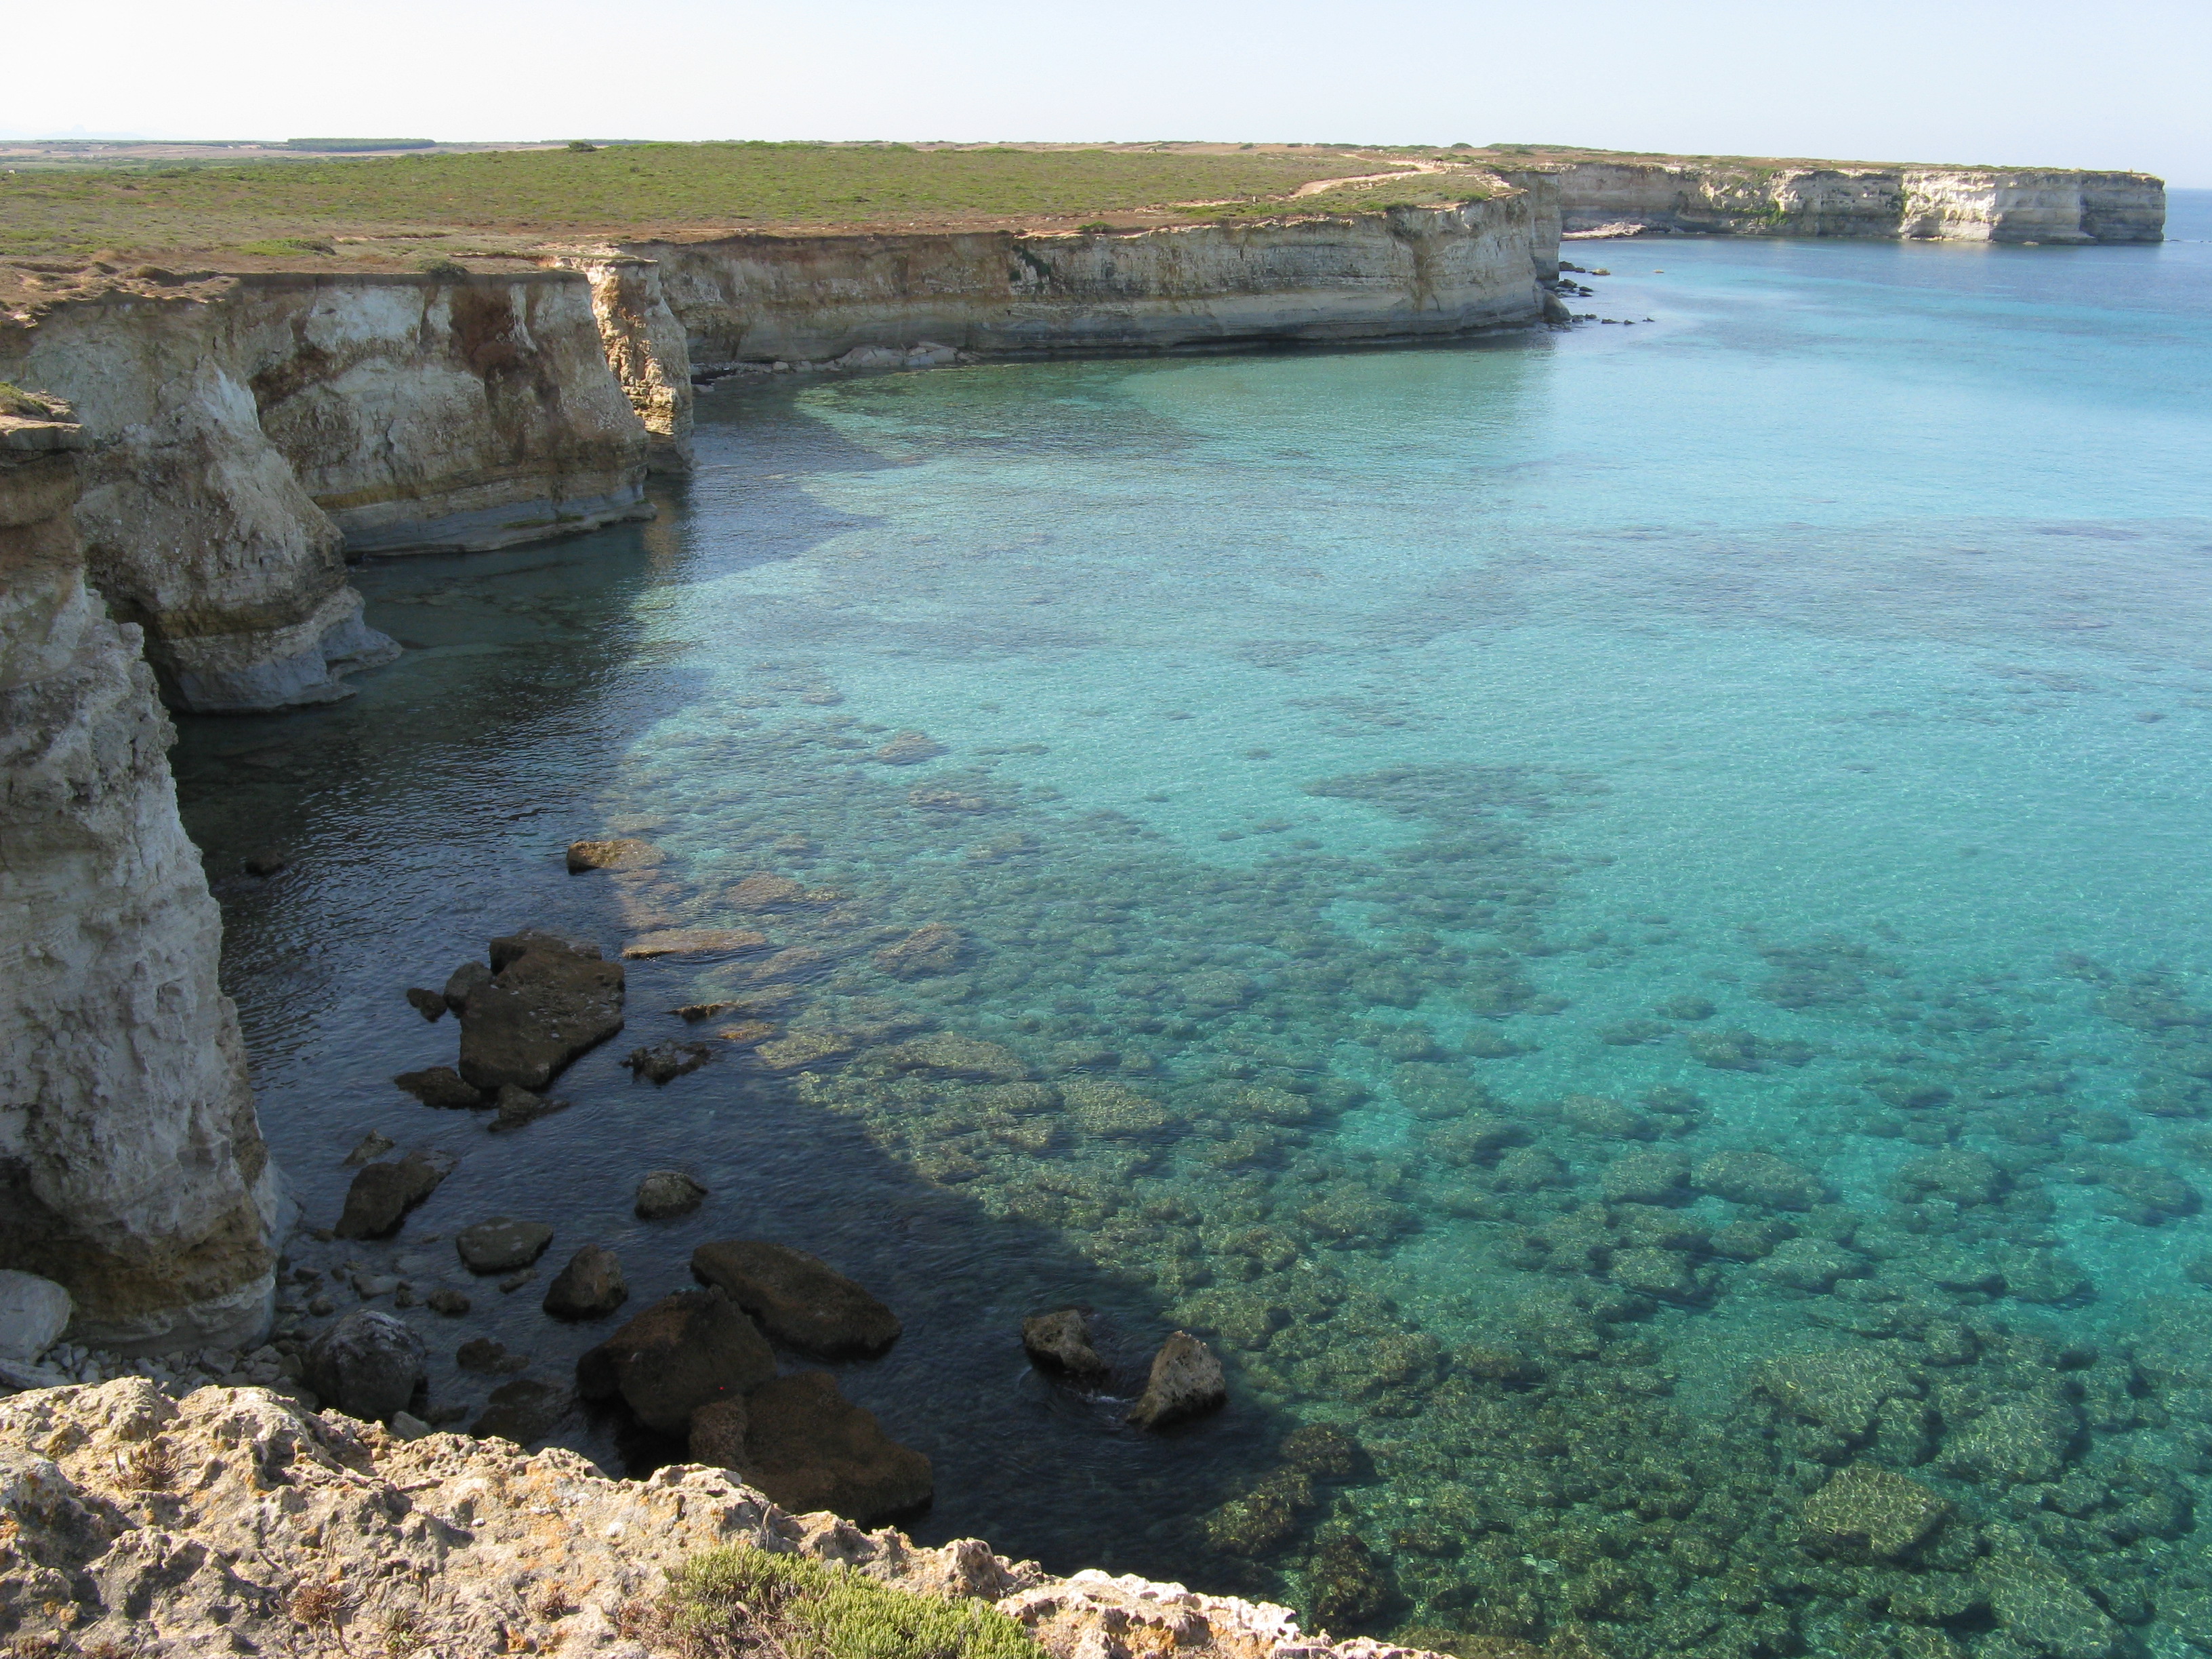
800,1300
686,1351
809,1448
590,1287
442,1085
501,1244
1186,1381
525,1411
382,1193
718,1435
1060,1342
548,1000
431,1005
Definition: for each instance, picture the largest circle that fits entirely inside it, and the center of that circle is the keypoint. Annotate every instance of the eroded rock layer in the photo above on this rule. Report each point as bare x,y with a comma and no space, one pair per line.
131,1168
1412,272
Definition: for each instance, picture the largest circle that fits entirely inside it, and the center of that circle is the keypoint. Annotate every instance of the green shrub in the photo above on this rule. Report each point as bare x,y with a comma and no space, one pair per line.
437,266
278,247
744,1601
30,405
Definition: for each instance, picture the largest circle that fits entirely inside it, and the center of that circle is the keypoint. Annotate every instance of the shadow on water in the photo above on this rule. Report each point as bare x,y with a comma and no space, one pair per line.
428,813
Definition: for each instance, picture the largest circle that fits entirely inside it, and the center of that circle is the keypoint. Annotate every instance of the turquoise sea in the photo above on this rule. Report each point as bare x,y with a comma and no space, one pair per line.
1620,919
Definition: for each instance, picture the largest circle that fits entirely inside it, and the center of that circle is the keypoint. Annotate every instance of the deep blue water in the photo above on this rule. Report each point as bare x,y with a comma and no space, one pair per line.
1420,819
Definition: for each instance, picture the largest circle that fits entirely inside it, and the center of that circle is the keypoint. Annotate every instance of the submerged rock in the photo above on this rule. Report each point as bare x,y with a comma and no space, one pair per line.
549,1000
590,1287
809,1448
431,1005
800,1300
664,1062
382,1193
1185,1381
1867,1512
441,1086
517,1107
932,950
1759,1178
366,1365
687,1350
623,852
694,942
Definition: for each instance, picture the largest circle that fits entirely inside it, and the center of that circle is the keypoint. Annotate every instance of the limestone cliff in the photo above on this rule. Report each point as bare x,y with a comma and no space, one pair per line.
253,433
1812,199
645,346
132,1167
235,1522
1401,273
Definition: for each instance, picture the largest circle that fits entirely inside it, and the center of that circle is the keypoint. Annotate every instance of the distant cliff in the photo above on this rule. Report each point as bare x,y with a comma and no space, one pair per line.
1791,198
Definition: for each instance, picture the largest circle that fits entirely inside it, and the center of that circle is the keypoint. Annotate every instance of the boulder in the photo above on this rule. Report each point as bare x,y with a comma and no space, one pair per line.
687,1350
519,1106
590,1287
808,1449
367,1365
932,950
525,1411
549,999
441,1086
369,1148
799,1300
1186,1381
489,1356
1060,1342
501,1244
718,1435
383,1193
664,1062
464,982
431,1005
34,1313
664,1194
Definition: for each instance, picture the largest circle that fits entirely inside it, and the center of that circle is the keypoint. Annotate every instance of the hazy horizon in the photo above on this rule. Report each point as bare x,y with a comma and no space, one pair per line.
1965,81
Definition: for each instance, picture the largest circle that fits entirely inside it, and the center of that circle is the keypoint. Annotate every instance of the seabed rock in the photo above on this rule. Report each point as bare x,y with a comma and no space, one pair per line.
501,1244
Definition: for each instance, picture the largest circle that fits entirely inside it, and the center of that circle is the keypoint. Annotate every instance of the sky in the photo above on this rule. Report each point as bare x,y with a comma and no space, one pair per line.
2120,83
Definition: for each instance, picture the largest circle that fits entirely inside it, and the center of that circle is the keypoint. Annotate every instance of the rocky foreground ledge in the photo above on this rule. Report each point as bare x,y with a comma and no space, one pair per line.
232,1522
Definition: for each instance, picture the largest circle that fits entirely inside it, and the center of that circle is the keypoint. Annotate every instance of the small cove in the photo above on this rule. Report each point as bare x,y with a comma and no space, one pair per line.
1395,801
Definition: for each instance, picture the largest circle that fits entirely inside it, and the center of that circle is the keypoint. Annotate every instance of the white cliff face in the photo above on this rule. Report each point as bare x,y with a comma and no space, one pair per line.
1921,204
1399,274
251,435
132,1170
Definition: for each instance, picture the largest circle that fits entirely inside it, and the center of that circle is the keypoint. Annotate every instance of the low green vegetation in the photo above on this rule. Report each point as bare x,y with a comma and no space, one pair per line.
738,1603
525,196
19,404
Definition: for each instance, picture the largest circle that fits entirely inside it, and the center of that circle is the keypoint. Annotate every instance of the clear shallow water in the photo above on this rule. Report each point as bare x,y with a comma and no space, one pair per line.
1418,819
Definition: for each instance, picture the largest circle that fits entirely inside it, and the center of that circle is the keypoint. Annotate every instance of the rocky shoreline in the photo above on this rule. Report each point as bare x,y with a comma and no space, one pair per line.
234,1520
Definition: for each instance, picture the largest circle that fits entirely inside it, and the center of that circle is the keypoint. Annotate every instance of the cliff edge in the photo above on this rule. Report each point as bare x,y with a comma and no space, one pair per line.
132,1169
233,1522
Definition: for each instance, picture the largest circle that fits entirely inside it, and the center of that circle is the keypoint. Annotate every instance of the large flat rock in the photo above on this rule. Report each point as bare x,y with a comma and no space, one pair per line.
800,1300
549,1000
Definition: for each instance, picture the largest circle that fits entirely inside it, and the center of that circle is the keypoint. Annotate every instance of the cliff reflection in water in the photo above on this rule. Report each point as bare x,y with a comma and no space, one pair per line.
1600,959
